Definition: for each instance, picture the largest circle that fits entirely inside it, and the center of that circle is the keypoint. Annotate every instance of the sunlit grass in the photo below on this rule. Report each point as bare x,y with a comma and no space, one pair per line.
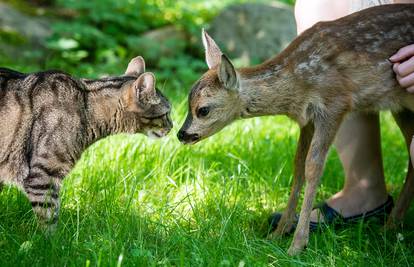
133,201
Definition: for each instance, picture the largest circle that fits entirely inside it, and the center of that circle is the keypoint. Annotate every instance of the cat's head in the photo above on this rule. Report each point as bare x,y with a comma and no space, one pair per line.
144,103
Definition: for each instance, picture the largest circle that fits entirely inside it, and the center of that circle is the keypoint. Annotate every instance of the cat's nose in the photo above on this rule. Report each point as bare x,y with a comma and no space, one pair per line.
183,136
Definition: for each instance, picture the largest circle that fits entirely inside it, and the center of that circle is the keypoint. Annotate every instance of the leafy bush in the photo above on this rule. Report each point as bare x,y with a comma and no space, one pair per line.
96,37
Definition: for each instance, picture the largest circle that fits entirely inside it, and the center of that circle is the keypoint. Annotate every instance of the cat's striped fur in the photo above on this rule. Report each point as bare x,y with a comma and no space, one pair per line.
49,118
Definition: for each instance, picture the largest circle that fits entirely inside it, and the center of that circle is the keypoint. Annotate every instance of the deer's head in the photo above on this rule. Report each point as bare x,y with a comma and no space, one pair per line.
214,100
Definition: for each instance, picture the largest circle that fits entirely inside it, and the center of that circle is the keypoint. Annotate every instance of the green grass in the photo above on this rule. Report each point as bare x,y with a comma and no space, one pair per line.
131,201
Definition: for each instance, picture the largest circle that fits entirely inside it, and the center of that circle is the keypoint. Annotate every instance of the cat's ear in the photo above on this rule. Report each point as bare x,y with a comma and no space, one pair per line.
213,52
136,67
227,74
144,89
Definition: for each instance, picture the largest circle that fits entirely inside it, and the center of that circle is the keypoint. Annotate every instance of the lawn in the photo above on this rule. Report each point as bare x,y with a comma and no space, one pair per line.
132,201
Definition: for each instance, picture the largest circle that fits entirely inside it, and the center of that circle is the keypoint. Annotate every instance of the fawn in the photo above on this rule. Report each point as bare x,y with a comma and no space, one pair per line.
331,69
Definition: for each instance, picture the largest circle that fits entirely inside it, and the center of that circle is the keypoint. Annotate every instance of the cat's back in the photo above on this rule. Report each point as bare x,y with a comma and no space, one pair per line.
15,116
37,90
21,95
9,74
13,101
9,81
32,104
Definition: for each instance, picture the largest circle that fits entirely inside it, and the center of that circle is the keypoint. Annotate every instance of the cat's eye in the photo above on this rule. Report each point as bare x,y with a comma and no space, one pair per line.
202,112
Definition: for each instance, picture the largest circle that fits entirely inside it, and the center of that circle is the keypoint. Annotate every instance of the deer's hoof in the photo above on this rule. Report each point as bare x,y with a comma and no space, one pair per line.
392,224
295,250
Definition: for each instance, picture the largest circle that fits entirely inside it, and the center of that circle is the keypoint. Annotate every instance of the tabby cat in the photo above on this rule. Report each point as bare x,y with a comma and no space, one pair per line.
48,119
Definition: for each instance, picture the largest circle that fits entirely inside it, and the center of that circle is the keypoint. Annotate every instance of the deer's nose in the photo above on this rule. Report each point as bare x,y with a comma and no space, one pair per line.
183,136
180,135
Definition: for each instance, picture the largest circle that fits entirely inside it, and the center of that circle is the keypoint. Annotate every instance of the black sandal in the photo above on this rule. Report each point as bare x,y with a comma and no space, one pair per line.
332,217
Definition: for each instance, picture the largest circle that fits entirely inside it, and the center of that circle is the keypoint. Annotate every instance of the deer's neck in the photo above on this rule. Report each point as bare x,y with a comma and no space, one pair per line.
271,89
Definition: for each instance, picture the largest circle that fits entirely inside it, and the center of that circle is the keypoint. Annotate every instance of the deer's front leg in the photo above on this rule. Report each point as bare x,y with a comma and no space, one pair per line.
325,130
405,120
288,217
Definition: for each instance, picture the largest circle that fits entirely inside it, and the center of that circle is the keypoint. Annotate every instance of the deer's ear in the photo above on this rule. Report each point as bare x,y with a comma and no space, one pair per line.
144,89
227,74
136,67
213,52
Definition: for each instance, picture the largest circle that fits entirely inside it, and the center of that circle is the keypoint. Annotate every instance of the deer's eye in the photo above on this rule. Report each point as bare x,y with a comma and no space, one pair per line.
202,112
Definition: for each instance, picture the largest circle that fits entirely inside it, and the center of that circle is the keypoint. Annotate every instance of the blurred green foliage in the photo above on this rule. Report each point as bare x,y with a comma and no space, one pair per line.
96,37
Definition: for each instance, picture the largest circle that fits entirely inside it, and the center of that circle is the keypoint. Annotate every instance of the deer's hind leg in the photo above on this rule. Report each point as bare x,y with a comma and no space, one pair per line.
405,121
